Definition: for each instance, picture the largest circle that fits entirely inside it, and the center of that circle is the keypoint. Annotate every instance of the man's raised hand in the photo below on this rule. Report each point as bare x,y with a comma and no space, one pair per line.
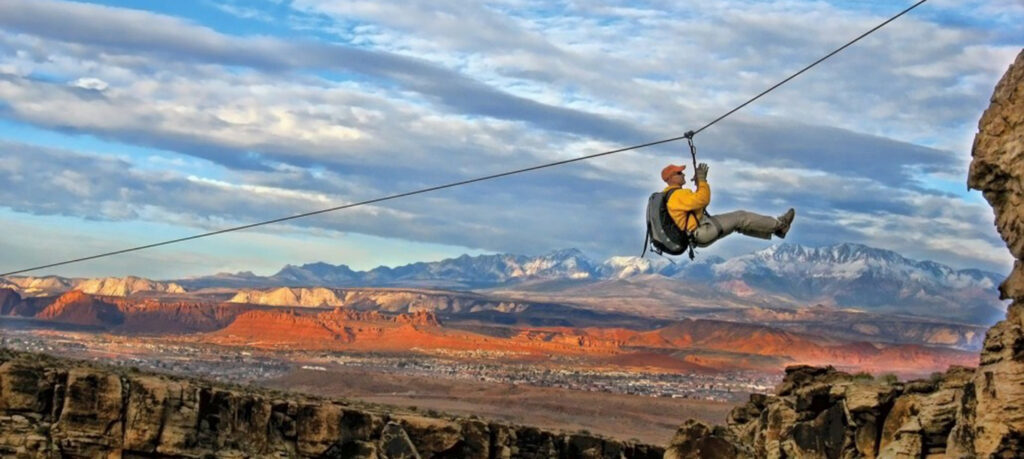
702,172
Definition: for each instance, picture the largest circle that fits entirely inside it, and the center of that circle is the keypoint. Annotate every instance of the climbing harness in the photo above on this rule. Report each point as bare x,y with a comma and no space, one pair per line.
663,234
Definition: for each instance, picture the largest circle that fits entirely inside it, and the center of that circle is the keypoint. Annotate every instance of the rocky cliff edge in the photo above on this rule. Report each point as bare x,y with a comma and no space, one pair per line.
52,407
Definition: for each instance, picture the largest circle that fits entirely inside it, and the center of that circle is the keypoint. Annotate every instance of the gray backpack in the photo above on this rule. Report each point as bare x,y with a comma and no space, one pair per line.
662,232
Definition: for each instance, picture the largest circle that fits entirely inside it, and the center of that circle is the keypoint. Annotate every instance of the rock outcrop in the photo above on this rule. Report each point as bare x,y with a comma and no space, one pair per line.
106,286
76,307
992,422
821,412
39,286
963,413
9,301
337,329
52,407
393,300
317,297
126,286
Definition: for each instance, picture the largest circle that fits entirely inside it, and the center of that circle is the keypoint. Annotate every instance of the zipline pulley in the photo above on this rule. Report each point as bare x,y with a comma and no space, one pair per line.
693,152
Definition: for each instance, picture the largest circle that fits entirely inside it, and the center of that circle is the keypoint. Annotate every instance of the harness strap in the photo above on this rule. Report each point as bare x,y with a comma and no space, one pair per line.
714,221
647,239
667,258
690,242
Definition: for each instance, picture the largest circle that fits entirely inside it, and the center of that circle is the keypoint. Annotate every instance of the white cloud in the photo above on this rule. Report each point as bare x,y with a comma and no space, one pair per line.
425,93
95,84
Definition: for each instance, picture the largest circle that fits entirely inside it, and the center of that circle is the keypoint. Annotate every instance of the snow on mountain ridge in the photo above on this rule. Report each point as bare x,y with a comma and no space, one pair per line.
470,270
845,261
841,262
623,267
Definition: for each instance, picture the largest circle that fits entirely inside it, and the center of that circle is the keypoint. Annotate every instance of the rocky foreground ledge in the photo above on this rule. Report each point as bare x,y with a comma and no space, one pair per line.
821,412
52,407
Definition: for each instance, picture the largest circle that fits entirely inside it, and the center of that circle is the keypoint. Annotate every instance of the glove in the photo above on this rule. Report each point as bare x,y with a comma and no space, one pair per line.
702,172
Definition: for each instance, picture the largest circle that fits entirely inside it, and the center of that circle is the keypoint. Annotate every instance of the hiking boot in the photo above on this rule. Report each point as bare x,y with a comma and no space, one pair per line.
785,220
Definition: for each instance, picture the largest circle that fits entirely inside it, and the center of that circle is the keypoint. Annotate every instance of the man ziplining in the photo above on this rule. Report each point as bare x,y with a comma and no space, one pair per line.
705,228
688,210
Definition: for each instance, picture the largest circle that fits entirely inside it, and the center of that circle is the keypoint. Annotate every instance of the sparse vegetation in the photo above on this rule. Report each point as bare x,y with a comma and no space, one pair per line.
864,376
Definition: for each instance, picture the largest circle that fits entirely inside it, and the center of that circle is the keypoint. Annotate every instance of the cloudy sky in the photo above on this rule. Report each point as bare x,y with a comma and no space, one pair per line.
124,123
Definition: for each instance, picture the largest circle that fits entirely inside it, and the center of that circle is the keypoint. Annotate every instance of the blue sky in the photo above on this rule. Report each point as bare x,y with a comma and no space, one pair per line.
123,126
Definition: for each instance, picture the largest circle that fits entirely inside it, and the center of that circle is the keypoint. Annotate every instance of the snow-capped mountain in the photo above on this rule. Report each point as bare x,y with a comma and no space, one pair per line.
858,276
806,270
484,270
462,272
625,267
844,275
849,262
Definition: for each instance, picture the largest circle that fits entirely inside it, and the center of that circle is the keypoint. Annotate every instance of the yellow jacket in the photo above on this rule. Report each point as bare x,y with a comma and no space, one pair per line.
686,200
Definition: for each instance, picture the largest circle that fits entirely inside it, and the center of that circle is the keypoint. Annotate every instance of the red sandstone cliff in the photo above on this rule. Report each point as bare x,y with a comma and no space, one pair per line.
82,309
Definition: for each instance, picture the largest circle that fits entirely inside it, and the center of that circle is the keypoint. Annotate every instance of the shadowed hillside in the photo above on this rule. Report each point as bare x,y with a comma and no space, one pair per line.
60,408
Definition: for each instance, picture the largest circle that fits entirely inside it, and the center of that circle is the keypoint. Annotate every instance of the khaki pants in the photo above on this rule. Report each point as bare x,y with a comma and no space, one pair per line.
715,227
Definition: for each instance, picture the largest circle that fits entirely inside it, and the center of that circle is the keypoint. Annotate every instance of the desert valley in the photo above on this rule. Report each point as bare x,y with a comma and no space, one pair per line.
420,225
536,340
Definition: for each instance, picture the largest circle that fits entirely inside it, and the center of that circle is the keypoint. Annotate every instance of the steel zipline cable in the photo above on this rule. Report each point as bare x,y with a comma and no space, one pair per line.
688,135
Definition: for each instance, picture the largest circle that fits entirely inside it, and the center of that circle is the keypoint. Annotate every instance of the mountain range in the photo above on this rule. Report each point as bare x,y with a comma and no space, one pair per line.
849,276
842,275
840,261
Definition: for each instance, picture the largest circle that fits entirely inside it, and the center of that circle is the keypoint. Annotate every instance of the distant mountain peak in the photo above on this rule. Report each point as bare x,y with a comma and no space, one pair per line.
565,253
863,277
841,253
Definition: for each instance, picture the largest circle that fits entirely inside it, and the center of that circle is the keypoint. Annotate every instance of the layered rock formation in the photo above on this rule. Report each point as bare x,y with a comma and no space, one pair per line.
367,323
992,421
9,301
106,286
336,329
58,408
317,297
962,413
861,326
377,299
821,412
113,286
79,308
38,286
